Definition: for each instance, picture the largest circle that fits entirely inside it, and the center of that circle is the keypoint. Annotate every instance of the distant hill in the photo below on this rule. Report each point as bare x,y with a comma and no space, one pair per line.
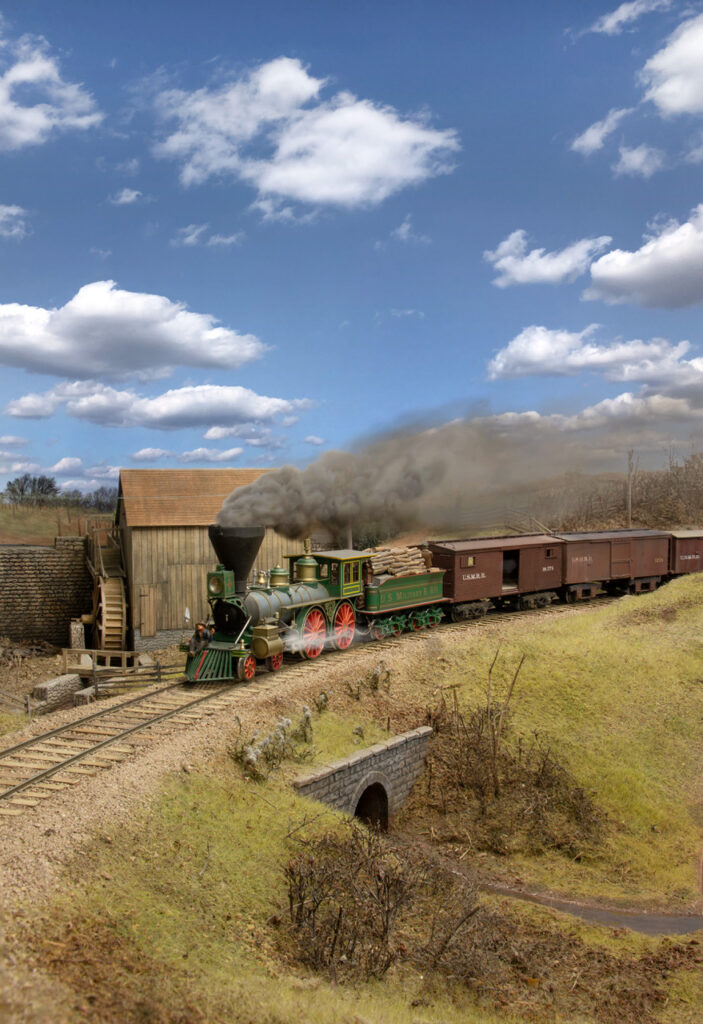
21,525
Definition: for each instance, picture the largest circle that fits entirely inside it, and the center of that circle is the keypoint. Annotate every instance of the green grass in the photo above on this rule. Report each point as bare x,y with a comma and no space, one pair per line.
11,723
618,694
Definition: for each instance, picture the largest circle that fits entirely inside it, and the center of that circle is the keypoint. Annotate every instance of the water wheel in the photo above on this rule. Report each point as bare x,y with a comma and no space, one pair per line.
109,613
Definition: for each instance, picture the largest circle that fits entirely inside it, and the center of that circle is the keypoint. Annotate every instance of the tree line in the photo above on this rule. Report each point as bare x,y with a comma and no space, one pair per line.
43,491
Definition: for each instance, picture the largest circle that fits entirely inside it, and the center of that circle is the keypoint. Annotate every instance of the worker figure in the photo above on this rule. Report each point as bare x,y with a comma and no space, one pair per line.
200,639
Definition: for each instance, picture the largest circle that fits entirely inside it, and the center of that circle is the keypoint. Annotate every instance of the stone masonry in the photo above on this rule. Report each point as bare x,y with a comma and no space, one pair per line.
42,588
395,765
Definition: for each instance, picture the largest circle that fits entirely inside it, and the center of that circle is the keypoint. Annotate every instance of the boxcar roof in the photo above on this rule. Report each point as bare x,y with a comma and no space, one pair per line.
530,540
613,534
682,534
177,497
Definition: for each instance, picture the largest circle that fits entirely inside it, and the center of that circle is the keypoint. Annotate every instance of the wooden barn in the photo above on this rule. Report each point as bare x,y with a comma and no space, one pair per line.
162,517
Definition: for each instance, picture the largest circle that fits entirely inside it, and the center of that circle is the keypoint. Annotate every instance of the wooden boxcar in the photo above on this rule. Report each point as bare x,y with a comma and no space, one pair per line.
618,559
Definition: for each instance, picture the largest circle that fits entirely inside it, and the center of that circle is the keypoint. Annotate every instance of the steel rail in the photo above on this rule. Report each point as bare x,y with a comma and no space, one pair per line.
55,769
88,718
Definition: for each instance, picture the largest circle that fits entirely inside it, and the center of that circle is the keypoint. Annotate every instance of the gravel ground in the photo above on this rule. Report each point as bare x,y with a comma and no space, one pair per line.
38,846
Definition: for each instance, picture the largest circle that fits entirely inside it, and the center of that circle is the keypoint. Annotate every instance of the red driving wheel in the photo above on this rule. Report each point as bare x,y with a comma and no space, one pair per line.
344,626
313,633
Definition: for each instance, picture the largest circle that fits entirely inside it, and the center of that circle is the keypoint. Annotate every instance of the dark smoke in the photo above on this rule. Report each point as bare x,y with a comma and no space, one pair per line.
431,478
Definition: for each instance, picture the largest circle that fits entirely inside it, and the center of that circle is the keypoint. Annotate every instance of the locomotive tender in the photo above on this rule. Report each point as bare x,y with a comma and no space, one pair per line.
327,598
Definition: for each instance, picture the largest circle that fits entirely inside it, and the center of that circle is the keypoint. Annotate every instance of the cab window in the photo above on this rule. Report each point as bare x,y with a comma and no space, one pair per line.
355,572
334,573
324,571
347,572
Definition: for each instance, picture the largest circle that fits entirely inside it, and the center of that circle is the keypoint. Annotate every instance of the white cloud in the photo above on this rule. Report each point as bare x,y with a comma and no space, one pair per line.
74,467
190,235
12,222
107,332
13,440
642,161
130,166
674,75
150,454
539,350
210,455
594,137
518,266
612,23
314,439
202,405
225,240
29,70
126,196
667,270
399,314
194,234
406,233
262,130
100,253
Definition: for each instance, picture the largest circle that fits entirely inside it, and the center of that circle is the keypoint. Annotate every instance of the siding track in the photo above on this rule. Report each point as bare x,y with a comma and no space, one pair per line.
43,765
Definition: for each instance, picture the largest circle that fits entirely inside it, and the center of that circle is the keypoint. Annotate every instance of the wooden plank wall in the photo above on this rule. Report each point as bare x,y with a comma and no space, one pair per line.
174,561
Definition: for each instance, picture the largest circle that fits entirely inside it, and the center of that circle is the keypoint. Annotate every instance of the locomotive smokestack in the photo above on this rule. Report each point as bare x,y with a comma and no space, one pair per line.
236,548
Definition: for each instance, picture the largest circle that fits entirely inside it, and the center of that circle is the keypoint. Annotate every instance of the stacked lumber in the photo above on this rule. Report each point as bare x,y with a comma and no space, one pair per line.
397,562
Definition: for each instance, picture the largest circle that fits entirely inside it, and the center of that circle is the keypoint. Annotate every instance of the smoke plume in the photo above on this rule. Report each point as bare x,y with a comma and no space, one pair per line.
433,478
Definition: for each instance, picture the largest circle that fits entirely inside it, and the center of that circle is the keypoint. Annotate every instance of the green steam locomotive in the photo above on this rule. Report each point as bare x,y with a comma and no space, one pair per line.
318,601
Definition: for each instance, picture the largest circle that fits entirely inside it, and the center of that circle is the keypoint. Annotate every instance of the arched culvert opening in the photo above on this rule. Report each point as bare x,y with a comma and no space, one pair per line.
372,807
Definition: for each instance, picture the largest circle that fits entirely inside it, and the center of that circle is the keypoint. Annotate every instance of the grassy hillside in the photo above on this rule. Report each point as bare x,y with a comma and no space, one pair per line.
19,525
184,923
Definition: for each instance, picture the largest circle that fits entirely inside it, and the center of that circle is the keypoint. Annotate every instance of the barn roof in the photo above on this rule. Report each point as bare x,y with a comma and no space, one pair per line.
177,497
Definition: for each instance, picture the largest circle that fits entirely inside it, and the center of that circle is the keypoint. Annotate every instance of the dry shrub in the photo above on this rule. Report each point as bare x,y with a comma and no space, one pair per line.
502,793
360,902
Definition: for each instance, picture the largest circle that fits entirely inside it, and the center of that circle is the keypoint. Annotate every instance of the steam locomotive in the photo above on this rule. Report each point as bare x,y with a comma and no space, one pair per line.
328,598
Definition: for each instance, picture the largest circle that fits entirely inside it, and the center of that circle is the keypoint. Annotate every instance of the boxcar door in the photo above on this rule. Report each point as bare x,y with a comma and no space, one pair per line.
621,554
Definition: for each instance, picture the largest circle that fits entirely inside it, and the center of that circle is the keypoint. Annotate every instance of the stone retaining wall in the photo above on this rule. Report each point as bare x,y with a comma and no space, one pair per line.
42,588
395,765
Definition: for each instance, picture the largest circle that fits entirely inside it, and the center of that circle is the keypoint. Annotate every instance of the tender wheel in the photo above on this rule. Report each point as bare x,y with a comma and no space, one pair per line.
246,668
274,662
375,631
415,624
344,626
313,634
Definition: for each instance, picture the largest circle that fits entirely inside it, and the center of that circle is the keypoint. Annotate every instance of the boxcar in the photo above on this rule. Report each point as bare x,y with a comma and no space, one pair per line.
619,560
507,571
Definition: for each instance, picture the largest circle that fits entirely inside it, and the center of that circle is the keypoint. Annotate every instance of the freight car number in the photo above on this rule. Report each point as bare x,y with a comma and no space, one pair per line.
685,558
474,576
547,568
582,558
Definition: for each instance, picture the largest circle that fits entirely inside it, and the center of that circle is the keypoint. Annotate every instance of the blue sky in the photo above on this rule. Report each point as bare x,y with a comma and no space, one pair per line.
242,234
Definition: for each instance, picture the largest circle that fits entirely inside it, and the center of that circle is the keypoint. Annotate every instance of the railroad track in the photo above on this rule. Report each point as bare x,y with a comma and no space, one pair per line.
39,767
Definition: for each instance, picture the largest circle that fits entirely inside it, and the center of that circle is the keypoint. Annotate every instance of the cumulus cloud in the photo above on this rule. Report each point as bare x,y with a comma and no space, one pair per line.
518,266
639,161
270,129
12,222
108,332
12,440
612,23
667,270
126,196
405,232
594,136
203,405
673,77
210,455
75,467
314,440
30,73
539,350
150,454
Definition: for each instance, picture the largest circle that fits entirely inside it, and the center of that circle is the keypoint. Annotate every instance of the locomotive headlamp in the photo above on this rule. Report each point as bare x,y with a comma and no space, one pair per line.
220,583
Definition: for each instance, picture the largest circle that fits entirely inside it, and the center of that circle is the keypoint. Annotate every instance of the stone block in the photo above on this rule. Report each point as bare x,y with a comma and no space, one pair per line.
58,691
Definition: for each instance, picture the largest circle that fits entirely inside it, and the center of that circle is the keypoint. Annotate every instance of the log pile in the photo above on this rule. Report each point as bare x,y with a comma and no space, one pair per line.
397,562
